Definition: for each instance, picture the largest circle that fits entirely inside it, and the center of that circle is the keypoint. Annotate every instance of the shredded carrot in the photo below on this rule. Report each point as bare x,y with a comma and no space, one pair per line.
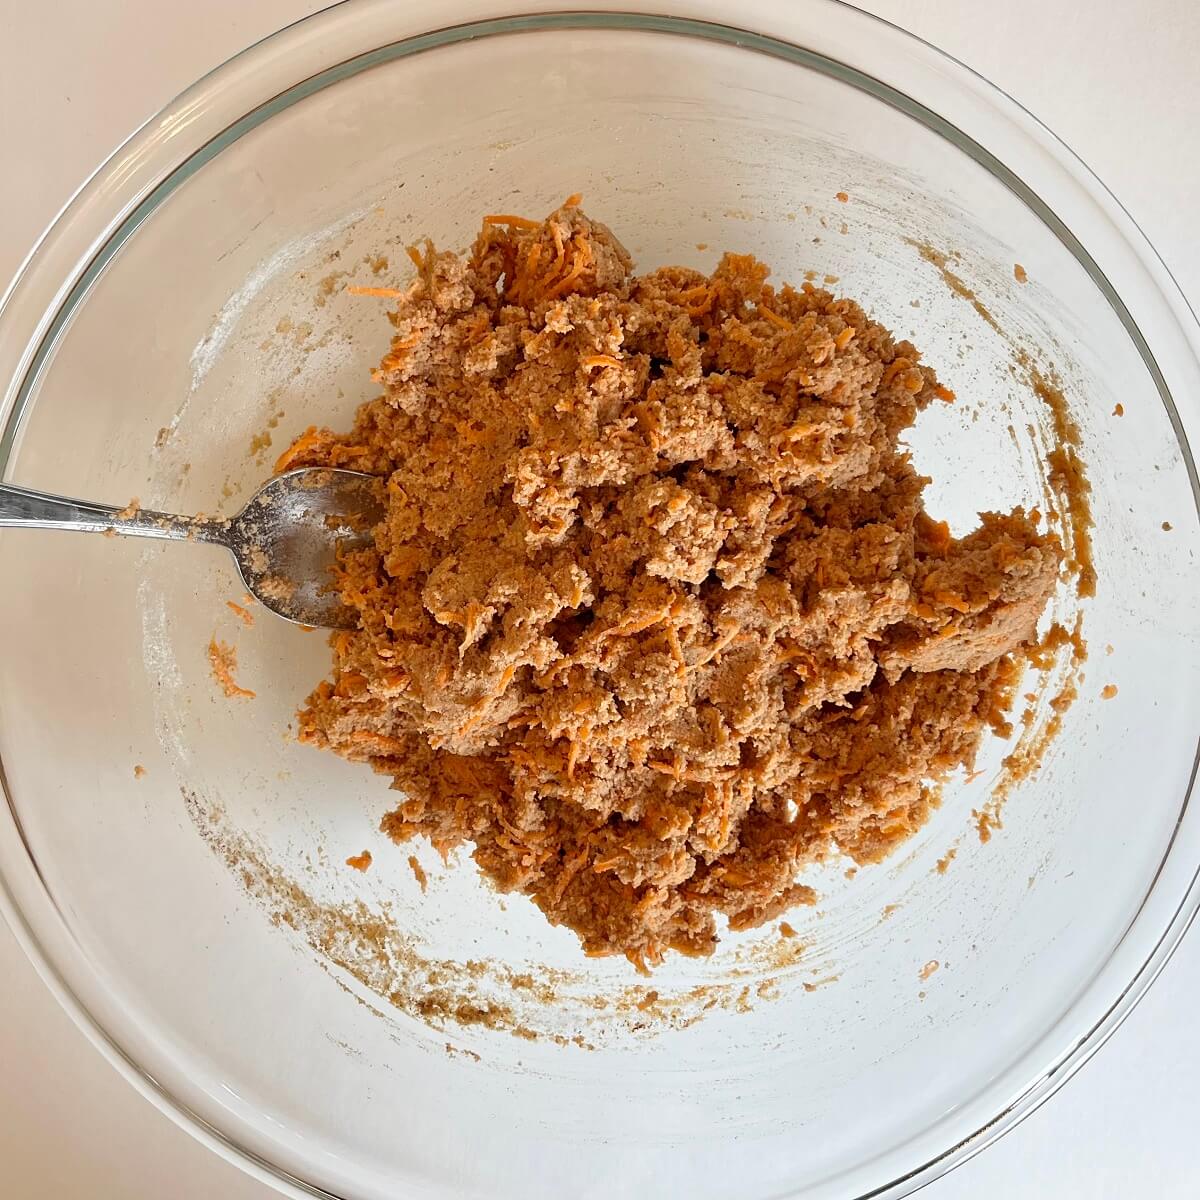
704,296
415,255
893,369
572,758
950,600
506,677
509,219
774,317
560,253
380,741
223,659
308,441
676,648
526,279
600,952
468,725
599,360
418,872
390,293
723,830
635,624
360,862
574,200
844,338
564,285
719,645
569,870
246,616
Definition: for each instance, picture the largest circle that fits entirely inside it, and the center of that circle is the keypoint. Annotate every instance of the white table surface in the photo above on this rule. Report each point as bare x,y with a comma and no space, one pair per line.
1124,91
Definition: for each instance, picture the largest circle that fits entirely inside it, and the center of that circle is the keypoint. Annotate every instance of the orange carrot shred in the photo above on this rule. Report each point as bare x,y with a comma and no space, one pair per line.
310,439
223,660
375,291
774,317
247,617
509,219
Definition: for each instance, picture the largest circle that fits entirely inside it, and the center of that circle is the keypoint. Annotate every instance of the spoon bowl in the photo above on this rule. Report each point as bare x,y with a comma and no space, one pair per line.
285,541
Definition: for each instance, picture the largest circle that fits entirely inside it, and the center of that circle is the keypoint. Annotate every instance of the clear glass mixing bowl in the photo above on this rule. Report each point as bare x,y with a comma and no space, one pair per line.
343,1034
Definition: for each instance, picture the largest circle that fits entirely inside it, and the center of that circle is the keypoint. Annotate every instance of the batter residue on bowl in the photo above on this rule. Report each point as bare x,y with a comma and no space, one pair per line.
656,616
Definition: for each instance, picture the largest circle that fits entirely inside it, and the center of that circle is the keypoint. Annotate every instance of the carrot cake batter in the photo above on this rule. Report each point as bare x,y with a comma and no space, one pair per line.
656,616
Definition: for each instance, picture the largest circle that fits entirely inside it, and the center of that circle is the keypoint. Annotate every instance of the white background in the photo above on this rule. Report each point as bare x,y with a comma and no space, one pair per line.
1119,82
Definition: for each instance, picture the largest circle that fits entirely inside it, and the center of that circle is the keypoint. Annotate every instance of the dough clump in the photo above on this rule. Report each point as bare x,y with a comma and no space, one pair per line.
656,616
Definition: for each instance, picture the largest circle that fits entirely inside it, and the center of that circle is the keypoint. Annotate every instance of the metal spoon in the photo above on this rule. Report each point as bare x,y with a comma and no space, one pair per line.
284,541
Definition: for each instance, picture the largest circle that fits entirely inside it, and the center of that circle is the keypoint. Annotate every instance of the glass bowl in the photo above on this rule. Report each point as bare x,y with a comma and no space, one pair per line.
347,1034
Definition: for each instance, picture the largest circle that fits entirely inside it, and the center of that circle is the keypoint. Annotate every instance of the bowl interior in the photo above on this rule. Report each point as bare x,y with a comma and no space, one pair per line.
367,1037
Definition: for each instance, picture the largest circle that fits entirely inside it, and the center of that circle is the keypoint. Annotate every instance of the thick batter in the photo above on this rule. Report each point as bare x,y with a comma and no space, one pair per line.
656,616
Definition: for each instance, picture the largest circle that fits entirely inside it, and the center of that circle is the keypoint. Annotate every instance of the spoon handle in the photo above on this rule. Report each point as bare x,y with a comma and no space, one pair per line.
23,508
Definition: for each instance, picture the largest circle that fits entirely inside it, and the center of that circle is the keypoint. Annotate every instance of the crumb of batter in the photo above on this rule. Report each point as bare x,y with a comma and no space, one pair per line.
1020,274
1108,691
656,617
812,987
223,659
954,282
360,862
139,772
130,510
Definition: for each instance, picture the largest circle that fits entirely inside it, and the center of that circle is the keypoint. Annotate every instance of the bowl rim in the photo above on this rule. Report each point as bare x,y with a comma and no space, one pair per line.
110,205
